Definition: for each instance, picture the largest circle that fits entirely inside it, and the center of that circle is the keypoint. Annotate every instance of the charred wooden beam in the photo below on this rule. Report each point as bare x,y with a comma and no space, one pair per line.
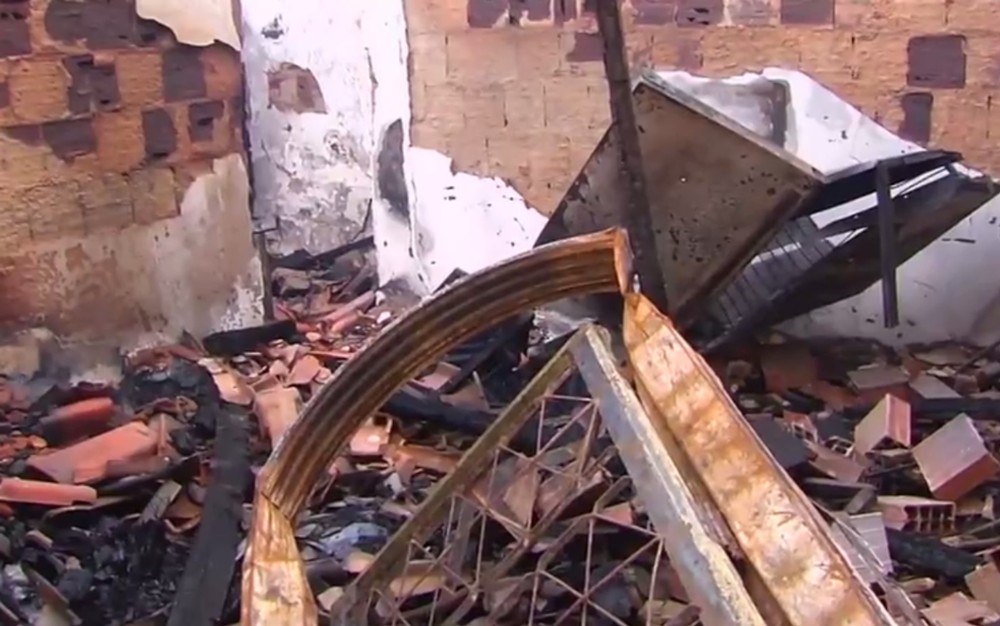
201,593
637,218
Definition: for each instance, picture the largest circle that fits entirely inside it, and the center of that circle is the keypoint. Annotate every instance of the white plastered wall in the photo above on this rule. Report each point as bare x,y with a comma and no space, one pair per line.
316,175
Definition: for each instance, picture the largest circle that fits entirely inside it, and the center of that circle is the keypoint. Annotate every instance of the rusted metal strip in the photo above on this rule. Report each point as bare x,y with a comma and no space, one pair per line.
572,267
275,591
704,567
782,536
595,263
393,554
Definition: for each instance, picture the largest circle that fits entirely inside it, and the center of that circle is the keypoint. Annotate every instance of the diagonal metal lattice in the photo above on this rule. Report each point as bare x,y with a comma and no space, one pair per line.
554,537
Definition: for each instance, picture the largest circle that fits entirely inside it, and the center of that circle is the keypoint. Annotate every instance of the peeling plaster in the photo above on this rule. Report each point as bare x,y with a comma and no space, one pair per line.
213,230
314,173
195,23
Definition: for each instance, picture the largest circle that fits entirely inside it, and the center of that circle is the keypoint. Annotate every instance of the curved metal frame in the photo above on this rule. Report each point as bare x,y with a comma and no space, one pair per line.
596,263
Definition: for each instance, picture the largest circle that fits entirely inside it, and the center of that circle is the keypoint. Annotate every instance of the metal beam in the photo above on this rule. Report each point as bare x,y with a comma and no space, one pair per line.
787,545
705,569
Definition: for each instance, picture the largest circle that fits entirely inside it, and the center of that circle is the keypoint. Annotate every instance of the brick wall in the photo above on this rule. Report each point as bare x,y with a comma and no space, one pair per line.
104,121
100,114
515,88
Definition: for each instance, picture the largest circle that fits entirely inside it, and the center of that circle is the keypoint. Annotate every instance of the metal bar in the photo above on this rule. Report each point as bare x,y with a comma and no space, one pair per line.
466,472
786,543
702,564
638,218
887,246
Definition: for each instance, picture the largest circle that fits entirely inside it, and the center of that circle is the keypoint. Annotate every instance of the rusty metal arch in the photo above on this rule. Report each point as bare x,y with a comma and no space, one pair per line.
274,588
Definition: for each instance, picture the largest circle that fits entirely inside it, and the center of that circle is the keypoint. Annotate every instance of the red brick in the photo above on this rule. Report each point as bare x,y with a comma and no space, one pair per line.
936,61
38,90
807,12
654,12
106,202
119,140
69,139
160,134
918,108
15,228
139,78
954,460
486,13
428,57
153,194
55,211
223,72
15,33
699,12
204,120
183,74
538,53
481,57
436,16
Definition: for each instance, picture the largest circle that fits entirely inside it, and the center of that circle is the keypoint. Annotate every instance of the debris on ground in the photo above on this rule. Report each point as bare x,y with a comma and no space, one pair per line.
488,456
128,502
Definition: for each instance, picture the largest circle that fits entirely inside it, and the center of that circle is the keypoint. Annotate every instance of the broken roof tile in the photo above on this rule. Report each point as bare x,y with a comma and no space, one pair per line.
88,461
277,408
304,371
371,437
45,493
79,418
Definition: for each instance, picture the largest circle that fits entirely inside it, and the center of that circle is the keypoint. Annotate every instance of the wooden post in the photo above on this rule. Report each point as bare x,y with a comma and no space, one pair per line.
637,218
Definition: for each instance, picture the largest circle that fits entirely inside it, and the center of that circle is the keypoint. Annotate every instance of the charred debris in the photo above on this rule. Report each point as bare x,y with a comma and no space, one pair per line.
368,458
508,475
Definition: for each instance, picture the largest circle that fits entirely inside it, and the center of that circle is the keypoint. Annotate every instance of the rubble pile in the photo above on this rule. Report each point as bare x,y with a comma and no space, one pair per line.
492,454
105,487
494,487
899,445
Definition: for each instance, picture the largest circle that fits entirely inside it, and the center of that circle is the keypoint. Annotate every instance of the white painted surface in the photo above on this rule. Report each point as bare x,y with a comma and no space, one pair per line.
946,291
315,174
313,171
194,23
464,221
